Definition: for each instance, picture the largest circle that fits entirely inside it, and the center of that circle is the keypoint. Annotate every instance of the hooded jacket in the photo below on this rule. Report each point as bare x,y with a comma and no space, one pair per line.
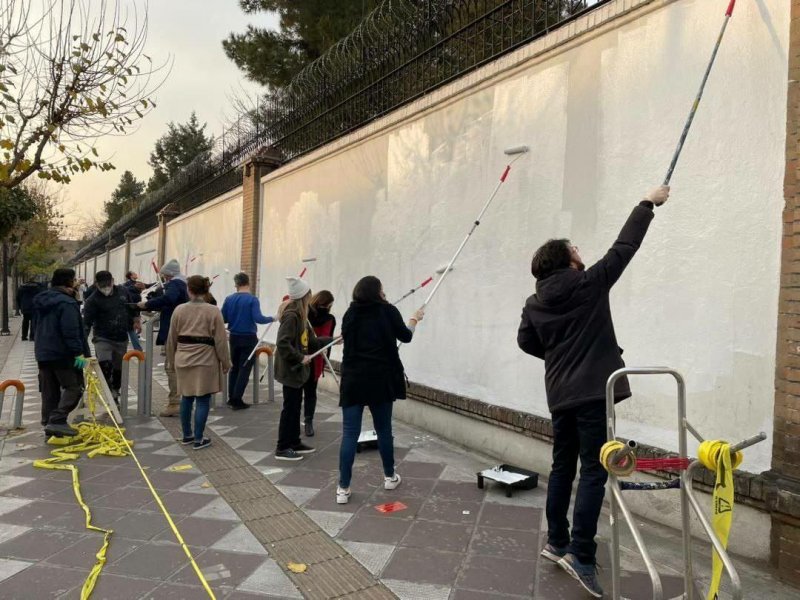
371,366
175,294
295,340
111,317
59,328
568,324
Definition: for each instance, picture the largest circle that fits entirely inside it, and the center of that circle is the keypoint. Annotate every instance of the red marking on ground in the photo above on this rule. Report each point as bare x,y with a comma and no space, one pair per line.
390,507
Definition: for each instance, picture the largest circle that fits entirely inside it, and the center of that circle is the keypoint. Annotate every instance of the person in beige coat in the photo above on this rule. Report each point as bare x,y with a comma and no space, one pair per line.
197,348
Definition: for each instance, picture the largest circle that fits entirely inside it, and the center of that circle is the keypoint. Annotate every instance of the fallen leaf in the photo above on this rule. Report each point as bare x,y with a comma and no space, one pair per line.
297,567
177,468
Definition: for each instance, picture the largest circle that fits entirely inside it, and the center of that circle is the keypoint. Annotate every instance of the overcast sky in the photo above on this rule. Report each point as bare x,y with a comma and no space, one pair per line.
202,79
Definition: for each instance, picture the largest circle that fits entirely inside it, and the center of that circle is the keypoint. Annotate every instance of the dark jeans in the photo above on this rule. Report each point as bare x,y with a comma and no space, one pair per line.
61,388
135,341
289,426
239,375
310,398
200,415
351,429
579,431
28,324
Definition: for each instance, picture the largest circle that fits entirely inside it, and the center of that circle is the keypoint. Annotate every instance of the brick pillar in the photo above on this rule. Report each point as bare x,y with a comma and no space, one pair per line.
109,248
783,480
164,215
130,235
254,169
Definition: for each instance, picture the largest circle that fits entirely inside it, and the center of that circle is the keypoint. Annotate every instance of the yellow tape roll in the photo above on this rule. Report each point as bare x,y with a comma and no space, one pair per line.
607,453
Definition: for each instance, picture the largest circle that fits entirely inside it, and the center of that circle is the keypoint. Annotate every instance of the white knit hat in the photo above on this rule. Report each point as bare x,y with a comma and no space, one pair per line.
171,268
297,288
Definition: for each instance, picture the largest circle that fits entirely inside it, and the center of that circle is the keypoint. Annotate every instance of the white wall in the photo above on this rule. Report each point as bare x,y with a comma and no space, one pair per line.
143,250
116,264
212,236
602,120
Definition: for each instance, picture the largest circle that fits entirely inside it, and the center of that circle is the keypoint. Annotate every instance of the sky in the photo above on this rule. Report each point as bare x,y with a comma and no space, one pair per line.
190,34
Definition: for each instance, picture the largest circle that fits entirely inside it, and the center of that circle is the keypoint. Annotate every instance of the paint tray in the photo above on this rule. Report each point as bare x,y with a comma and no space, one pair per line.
367,439
509,476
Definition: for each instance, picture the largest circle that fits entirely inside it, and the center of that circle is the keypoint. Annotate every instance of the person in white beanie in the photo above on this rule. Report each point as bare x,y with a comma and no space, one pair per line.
175,294
296,341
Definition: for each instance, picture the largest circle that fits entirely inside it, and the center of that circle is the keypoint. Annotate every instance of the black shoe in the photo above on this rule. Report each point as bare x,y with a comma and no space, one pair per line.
309,429
584,573
303,449
24,339
200,445
185,441
60,430
554,553
287,454
239,406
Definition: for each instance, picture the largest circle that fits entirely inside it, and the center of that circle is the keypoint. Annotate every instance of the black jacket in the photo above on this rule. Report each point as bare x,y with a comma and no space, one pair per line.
111,317
133,292
568,323
25,295
295,340
59,328
175,294
371,366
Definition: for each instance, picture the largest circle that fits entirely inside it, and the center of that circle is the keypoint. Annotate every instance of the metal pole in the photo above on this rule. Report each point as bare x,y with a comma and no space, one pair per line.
5,330
145,397
256,372
686,523
123,396
271,378
19,399
140,384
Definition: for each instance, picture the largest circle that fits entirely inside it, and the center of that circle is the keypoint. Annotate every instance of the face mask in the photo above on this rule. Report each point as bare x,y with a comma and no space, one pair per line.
106,291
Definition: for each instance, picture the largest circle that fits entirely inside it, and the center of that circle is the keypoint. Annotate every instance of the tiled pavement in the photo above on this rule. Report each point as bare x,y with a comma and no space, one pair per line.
452,541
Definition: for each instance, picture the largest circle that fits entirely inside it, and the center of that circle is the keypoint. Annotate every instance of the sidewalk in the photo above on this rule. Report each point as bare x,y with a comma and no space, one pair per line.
246,516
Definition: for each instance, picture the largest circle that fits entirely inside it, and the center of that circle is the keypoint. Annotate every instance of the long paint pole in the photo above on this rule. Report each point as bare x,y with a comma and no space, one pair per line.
693,112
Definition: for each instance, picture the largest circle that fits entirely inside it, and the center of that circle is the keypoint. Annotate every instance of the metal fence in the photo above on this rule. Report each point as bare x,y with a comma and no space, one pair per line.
399,52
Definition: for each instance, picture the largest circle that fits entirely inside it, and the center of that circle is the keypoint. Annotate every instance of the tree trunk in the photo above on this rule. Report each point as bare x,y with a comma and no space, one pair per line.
14,288
5,330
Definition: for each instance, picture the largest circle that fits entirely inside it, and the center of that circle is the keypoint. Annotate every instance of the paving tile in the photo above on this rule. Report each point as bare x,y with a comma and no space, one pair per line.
407,590
510,517
269,578
439,536
498,575
141,526
74,519
298,495
413,504
9,532
505,543
377,530
427,470
254,457
461,490
151,561
554,582
312,478
174,591
449,512
200,485
10,463
81,555
240,539
422,565
451,473
472,595
373,556
117,587
49,582
38,488
329,521
128,498
217,509
221,568
180,503
37,544
8,505
198,532
326,500
92,491
9,568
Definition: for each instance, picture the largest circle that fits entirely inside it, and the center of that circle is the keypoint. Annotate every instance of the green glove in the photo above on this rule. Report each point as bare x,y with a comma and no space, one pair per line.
80,362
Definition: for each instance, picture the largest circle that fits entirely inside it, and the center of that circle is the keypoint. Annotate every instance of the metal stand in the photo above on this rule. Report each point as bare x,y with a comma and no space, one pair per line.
688,501
82,412
19,398
146,391
269,350
125,391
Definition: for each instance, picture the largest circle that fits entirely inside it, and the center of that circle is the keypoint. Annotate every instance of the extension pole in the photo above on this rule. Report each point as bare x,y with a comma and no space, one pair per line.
693,112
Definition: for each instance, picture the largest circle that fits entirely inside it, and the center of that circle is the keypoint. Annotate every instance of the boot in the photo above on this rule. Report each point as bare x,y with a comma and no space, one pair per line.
309,429
172,410
60,429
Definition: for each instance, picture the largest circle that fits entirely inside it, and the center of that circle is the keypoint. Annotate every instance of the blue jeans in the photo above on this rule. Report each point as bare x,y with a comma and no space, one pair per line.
238,377
200,415
134,338
577,432
351,429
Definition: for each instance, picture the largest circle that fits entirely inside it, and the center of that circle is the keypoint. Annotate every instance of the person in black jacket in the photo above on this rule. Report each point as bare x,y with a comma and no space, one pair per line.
110,313
372,376
61,350
567,323
25,295
134,288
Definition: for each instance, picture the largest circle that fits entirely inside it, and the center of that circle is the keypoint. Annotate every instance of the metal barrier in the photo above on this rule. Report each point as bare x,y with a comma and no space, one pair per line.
688,501
269,350
124,392
19,398
146,395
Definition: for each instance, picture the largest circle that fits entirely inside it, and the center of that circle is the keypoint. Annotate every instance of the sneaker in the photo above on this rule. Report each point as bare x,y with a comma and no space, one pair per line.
554,553
391,483
239,405
303,449
585,574
60,430
287,454
185,441
309,426
204,444
342,495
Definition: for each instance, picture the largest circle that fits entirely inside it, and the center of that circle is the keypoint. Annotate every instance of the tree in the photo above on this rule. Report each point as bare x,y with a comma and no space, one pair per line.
69,73
178,147
307,29
123,199
36,246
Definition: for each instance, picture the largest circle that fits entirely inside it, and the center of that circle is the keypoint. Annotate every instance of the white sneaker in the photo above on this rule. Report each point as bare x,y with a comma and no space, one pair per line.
342,495
391,483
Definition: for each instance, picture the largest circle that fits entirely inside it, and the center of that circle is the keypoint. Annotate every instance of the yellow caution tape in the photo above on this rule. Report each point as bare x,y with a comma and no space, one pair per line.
607,454
178,468
715,455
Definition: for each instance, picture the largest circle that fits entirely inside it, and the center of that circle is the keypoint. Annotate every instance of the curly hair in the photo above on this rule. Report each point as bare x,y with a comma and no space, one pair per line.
551,256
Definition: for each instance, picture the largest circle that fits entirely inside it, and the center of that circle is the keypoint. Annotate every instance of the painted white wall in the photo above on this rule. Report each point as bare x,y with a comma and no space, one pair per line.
602,120
208,242
116,264
143,250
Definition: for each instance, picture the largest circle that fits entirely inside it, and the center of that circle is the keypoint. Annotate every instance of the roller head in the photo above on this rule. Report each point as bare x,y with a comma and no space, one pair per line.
516,150
308,260
443,268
